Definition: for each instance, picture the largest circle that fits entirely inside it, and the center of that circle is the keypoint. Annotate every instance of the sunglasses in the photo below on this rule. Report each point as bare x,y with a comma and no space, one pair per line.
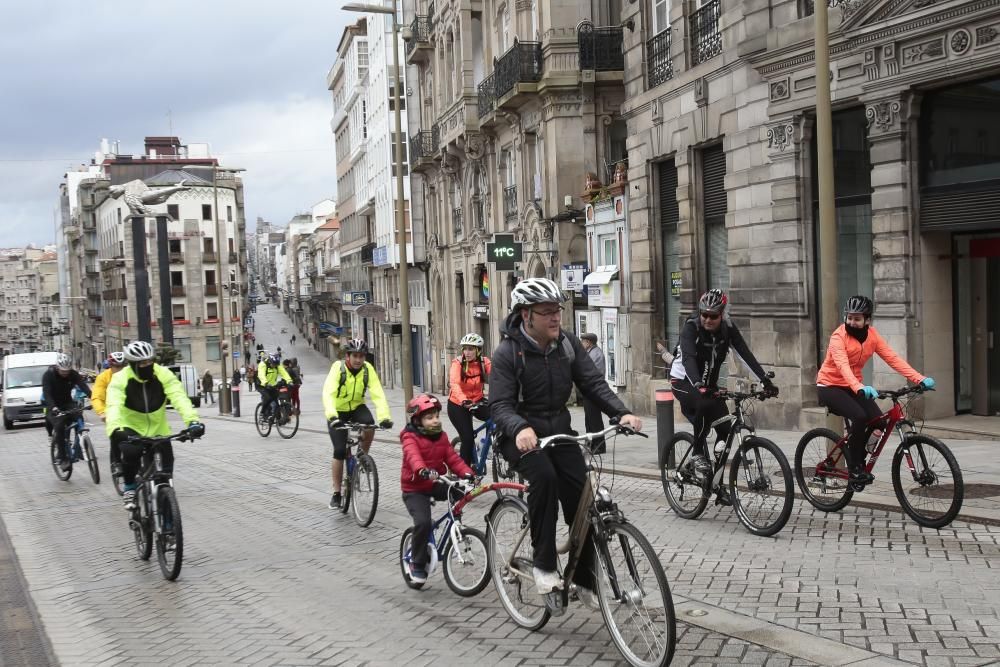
711,316
548,313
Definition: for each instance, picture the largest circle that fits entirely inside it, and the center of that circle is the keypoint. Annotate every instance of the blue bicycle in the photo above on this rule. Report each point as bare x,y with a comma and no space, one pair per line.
78,447
487,440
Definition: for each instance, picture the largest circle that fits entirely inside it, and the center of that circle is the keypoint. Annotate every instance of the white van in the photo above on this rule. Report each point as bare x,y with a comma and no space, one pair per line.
22,386
188,375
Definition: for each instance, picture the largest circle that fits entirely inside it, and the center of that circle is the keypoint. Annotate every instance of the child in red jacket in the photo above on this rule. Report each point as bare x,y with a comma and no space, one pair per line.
427,453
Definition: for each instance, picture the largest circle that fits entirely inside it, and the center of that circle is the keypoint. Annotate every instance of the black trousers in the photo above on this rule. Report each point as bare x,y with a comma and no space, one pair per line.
701,410
419,506
268,395
858,410
593,420
360,415
461,419
131,455
555,476
56,425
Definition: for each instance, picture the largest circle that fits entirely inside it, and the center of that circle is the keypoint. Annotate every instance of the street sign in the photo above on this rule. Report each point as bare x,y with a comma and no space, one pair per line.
504,251
236,355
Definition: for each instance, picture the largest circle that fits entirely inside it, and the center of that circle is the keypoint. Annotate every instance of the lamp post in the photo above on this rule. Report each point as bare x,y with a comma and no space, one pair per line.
403,291
824,170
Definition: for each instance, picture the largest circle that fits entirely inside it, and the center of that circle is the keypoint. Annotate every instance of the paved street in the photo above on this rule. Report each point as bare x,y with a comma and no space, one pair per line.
271,576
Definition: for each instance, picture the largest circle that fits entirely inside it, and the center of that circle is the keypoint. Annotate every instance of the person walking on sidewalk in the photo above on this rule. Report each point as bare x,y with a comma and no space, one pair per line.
592,419
207,387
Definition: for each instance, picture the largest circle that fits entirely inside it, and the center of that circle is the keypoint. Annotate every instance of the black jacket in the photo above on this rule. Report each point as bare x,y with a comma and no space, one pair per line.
700,353
533,390
58,390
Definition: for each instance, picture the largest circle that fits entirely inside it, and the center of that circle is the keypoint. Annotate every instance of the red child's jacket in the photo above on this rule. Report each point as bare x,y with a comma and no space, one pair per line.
420,451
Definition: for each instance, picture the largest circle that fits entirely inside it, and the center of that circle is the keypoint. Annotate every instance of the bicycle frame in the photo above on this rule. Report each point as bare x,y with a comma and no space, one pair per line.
487,428
77,427
152,476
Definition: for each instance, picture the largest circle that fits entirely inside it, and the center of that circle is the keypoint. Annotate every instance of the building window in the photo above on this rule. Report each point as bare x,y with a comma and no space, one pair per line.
229,213
174,246
661,16
183,347
177,279
173,210
206,211
211,310
713,194
212,352
178,311
208,244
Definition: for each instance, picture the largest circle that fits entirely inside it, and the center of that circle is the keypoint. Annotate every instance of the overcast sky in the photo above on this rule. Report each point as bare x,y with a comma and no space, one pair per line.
247,77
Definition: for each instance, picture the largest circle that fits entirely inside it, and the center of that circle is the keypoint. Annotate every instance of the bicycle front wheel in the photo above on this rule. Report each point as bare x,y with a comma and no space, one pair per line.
509,544
55,456
88,450
686,490
170,539
262,424
761,487
634,595
931,489
364,489
466,564
820,470
288,422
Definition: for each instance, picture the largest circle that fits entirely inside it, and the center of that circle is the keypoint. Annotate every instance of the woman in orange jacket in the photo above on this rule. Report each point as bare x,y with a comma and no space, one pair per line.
468,373
839,380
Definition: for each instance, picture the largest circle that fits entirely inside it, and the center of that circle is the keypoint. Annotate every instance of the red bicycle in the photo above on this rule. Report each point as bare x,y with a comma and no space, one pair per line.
930,490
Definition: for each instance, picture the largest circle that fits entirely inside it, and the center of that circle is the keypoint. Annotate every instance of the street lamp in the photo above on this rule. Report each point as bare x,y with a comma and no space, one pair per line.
404,293
223,310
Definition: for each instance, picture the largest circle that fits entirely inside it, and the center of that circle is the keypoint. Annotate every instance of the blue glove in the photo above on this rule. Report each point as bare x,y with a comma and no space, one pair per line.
928,383
868,392
195,430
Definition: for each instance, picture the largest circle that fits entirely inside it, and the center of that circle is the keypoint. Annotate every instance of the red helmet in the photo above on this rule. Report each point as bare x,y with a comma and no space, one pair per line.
420,404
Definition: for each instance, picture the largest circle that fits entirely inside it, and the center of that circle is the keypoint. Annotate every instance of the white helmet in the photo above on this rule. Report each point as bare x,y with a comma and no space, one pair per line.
533,291
63,362
472,339
139,350
117,357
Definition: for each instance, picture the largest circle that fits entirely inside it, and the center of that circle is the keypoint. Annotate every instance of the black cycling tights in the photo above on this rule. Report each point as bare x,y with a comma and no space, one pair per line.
858,410
701,410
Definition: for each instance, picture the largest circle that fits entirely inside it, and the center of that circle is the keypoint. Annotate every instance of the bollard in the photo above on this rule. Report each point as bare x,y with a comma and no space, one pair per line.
664,425
236,400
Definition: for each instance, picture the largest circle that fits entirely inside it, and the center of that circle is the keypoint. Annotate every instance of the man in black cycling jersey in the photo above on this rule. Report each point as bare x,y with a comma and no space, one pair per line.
704,344
57,389
534,370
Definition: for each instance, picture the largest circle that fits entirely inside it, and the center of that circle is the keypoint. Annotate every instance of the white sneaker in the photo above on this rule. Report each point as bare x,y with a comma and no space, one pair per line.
128,499
588,598
546,581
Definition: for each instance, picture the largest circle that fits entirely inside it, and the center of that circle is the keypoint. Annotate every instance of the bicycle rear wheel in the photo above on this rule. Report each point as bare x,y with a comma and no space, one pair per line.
140,523
55,456
88,451
170,539
288,422
761,487
466,564
686,491
364,489
819,464
634,595
509,545
263,425
405,552
932,492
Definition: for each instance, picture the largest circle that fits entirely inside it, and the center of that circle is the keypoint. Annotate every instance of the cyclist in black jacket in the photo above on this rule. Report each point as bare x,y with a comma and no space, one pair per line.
534,369
704,344
57,389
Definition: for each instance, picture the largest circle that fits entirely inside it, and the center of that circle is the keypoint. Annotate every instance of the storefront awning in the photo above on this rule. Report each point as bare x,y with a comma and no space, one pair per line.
602,275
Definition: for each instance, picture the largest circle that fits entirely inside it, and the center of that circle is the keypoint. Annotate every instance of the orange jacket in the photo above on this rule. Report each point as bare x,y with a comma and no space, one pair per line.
471,387
846,356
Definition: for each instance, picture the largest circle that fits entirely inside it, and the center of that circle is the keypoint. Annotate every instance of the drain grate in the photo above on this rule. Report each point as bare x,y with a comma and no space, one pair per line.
948,490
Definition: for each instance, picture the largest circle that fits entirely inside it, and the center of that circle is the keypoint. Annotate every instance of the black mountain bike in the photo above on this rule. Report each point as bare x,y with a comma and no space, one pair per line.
760,490
283,417
361,481
78,447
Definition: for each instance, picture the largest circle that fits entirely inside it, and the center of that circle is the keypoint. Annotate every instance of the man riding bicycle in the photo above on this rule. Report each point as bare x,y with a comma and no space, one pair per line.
344,401
137,406
469,373
58,383
704,344
534,370
269,373
839,383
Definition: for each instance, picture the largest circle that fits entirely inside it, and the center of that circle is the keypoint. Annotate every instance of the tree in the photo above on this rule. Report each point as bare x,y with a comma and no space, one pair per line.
167,355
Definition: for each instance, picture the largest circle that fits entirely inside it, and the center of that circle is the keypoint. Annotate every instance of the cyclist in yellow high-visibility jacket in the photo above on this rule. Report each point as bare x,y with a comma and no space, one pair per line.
269,373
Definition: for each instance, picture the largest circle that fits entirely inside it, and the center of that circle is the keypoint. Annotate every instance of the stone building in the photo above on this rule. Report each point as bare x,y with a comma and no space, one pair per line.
31,319
722,184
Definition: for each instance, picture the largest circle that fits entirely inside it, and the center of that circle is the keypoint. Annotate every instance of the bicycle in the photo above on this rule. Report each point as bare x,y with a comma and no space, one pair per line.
762,506
461,549
282,416
361,482
820,454
79,449
488,442
631,586
157,514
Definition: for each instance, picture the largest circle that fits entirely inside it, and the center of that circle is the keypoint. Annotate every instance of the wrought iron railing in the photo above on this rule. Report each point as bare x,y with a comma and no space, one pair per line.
661,67
522,63
422,145
601,48
706,40
456,222
368,253
510,202
487,95
420,31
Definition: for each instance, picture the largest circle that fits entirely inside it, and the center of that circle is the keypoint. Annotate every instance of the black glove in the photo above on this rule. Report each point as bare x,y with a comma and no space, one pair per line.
195,430
466,403
770,390
334,422
385,423
426,473
469,477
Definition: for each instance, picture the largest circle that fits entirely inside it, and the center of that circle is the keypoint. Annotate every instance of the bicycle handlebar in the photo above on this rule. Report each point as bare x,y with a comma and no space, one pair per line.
181,436
356,426
586,438
899,393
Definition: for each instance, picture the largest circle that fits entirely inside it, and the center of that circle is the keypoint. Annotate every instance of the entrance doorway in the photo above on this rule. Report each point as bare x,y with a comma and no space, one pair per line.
977,323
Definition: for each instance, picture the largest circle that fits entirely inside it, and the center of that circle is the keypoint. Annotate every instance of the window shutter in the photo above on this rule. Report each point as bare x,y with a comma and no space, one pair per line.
669,217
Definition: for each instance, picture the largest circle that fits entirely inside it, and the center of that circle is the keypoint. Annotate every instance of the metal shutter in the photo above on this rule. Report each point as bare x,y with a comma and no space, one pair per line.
713,187
960,209
669,217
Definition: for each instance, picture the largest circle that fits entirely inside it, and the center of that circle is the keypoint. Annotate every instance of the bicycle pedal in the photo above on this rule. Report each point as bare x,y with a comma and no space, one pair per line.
553,602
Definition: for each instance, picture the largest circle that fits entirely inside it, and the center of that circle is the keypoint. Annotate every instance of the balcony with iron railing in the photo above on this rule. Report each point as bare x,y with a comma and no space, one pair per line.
175,258
706,39
601,48
515,74
456,222
177,290
368,254
233,258
661,67
419,47
212,290
510,202
423,147
208,257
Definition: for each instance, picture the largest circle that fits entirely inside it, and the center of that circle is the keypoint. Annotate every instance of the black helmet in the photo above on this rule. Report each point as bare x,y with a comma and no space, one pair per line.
356,345
713,301
859,304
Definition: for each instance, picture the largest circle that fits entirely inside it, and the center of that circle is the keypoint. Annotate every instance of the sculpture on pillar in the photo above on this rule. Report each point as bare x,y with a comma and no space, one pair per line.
138,195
